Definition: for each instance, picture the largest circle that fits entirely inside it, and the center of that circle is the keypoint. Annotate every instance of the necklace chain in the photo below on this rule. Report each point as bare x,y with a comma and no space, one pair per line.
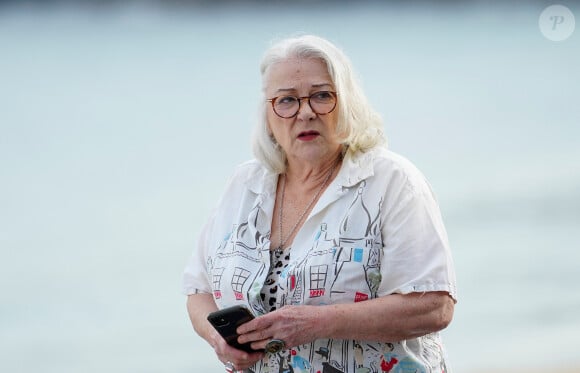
280,212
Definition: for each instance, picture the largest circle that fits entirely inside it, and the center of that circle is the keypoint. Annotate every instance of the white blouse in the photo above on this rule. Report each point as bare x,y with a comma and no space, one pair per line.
376,230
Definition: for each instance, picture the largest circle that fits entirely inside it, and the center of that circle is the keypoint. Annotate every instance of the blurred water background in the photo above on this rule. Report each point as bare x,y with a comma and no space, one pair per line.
121,121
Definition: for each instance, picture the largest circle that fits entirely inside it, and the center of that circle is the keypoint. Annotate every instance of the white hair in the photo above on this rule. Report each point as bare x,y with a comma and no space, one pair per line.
360,125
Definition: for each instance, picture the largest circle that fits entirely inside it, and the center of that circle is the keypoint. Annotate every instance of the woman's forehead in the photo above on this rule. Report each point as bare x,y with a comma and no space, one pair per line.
294,73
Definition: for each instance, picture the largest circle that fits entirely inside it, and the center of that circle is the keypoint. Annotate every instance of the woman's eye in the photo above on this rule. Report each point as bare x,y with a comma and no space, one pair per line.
287,100
322,96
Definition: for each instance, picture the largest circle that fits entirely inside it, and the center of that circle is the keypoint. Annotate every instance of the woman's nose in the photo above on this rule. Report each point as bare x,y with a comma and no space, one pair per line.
305,111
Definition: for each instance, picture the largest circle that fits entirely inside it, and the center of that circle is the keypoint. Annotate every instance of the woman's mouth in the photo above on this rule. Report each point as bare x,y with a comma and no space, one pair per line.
308,135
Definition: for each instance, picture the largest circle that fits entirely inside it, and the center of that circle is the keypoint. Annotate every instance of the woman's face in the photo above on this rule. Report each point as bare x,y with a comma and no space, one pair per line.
306,137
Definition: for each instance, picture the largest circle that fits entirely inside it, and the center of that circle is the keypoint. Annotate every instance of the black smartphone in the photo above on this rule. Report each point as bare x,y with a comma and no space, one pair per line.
227,320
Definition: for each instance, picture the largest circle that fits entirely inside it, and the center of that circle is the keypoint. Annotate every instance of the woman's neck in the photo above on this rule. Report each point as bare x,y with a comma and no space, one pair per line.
309,173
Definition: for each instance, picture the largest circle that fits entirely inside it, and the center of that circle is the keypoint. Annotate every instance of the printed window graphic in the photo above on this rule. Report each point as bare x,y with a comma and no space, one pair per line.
238,280
318,275
217,279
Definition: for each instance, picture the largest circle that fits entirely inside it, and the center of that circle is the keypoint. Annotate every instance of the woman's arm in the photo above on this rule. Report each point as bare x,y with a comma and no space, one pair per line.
388,318
198,307
391,318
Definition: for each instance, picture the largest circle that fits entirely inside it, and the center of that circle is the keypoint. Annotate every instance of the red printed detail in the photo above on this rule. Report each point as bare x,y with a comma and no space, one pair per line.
316,293
217,294
239,296
386,366
359,297
292,282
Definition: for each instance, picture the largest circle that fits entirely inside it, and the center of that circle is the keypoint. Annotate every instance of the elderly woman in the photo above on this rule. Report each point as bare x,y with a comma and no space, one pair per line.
334,243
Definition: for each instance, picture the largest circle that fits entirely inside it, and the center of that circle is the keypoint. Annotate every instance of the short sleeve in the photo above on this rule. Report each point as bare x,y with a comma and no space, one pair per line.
196,275
195,278
416,253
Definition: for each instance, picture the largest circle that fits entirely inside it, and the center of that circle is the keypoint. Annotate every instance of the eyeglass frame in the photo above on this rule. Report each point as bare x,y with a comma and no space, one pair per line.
332,93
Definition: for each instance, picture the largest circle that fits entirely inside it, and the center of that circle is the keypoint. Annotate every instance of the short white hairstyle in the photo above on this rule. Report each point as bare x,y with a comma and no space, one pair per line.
361,125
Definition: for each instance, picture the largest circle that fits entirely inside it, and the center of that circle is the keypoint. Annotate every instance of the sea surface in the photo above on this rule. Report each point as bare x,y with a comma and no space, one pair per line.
121,122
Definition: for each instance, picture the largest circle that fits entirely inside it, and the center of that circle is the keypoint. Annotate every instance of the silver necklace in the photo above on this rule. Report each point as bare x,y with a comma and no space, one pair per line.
282,241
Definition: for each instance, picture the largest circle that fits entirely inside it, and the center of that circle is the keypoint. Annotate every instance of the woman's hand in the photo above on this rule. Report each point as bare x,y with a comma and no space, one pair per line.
228,354
295,325
198,307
